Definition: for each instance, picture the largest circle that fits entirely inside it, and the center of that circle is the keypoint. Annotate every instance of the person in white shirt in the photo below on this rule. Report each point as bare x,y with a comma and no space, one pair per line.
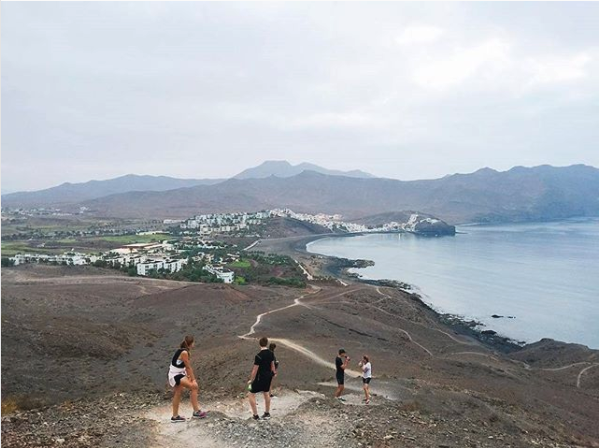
366,376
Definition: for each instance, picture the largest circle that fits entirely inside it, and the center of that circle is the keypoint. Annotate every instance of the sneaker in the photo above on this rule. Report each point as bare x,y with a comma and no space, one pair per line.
177,419
256,417
367,401
340,398
200,414
266,416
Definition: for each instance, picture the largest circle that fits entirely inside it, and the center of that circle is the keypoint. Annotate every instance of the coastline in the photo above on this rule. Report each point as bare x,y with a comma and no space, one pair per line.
328,267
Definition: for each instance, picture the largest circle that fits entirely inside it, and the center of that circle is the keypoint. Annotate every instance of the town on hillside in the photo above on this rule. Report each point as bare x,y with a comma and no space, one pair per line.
213,247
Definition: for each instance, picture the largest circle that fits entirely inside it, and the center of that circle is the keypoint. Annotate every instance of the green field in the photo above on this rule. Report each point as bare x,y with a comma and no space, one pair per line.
16,247
130,239
240,264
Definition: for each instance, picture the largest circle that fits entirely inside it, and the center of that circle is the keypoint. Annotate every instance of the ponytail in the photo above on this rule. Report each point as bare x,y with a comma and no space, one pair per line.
186,344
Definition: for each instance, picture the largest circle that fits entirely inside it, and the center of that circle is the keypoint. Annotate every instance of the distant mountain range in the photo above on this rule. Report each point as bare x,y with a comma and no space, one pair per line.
520,194
69,193
283,168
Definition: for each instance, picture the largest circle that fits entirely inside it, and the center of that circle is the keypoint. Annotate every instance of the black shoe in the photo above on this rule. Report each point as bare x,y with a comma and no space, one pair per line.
256,417
178,419
266,416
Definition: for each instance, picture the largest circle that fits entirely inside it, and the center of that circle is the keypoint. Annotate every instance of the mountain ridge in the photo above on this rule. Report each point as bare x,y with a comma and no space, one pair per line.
282,168
486,195
72,192
523,195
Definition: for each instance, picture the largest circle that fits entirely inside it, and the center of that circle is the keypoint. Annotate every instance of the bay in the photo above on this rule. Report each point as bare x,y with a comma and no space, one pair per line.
545,275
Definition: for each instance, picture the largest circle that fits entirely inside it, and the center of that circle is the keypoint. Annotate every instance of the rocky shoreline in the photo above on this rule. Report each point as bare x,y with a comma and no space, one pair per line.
338,268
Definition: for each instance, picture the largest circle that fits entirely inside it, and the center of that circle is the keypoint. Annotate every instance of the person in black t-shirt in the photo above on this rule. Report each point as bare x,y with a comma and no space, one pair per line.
261,377
341,363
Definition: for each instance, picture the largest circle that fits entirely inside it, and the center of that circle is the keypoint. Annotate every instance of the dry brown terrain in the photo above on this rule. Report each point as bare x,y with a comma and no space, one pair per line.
92,349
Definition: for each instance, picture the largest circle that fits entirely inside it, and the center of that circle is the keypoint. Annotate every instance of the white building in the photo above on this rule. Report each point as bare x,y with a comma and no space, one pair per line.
225,276
150,265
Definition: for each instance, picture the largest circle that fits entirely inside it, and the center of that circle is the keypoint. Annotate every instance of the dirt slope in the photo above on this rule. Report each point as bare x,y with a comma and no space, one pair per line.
87,339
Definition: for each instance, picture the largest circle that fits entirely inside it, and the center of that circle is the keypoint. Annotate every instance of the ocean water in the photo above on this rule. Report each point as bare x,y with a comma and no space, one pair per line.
546,275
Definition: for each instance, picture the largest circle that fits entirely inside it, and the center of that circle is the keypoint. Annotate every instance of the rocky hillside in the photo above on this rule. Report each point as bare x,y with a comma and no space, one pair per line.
97,347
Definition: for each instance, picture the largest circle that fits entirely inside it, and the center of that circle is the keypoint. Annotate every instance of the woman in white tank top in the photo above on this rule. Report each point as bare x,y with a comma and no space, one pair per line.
180,375
366,376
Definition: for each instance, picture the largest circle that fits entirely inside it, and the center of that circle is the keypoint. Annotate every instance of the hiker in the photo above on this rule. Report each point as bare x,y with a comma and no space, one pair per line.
341,363
261,377
180,376
366,376
272,347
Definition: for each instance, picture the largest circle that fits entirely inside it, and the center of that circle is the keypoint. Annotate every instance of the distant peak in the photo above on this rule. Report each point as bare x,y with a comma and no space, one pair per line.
279,163
485,170
282,168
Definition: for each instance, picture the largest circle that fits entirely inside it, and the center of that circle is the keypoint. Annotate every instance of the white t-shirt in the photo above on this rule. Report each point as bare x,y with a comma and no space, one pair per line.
367,369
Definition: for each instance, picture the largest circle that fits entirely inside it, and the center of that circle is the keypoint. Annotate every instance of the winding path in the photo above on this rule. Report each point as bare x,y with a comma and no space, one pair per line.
450,336
579,377
323,362
305,351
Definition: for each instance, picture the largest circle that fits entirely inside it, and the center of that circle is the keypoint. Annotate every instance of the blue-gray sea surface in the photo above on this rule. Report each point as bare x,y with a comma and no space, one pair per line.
546,275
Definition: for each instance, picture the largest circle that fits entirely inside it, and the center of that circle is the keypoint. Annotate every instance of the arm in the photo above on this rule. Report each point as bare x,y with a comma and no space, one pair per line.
273,369
188,369
345,363
253,374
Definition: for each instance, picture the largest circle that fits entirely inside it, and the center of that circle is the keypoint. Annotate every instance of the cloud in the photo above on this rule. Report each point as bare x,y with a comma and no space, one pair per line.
483,60
557,69
349,119
207,81
419,34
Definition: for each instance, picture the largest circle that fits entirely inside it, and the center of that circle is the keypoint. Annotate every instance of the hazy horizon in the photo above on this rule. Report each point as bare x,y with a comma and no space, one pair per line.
229,177
205,90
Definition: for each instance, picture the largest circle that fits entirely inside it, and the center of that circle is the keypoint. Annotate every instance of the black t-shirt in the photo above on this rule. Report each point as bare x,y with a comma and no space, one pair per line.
338,364
263,360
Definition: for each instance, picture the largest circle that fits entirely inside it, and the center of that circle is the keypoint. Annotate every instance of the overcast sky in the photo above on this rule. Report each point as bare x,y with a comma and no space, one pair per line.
198,90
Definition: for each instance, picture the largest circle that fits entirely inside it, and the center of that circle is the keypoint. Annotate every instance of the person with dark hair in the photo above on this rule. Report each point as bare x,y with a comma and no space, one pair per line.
341,363
272,346
261,377
180,375
366,376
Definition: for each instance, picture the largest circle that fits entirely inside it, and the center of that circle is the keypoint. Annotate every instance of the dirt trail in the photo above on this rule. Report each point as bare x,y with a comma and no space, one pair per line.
312,356
579,377
226,420
450,336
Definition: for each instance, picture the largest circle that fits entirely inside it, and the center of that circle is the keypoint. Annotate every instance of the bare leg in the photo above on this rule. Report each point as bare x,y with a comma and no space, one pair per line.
193,392
177,400
339,390
367,390
267,402
253,404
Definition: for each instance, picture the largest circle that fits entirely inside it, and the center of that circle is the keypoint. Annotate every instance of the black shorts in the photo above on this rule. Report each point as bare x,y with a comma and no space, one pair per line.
341,378
366,380
178,378
261,384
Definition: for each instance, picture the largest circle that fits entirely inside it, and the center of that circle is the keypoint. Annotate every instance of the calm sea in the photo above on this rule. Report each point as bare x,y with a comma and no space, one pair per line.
546,275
